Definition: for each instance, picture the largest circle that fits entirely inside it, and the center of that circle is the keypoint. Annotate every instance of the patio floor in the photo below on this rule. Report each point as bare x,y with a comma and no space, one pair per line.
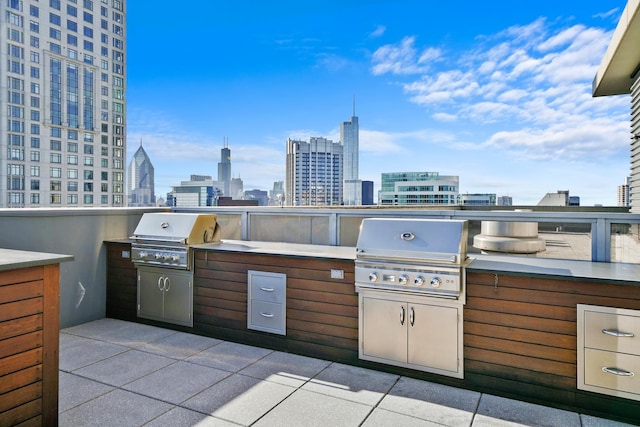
116,373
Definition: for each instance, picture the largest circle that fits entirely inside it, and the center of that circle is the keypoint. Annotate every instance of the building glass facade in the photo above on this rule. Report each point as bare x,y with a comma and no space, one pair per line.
64,79
418,188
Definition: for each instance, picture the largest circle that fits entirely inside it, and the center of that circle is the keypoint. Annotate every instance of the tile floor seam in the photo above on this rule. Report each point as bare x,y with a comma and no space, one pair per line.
380,400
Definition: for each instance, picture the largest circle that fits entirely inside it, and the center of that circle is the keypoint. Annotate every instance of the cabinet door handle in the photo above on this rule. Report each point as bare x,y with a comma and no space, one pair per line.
267,315
161,283
167,284
402,315
267,289
412,316
617,371
618,334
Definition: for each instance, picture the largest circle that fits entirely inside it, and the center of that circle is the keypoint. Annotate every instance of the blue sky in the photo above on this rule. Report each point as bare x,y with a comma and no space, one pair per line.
498,93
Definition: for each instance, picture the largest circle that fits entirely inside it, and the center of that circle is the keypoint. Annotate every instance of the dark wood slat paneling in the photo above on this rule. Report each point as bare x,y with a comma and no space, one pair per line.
27,414
522,335
21,378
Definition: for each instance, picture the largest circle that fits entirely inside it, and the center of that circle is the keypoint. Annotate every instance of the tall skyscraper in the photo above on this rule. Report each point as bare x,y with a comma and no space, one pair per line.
141,190
349,136
314,172
64,80
224,168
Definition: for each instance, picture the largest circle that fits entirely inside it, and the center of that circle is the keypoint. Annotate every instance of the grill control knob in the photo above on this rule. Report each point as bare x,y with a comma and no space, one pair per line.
143,255
418,281
436,282
175,258
403,279
373,277
158,255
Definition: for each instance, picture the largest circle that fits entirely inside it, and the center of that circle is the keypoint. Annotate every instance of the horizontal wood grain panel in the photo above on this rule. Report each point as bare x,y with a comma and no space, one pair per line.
20,326
30,274
27,307
20,361
21,291
20,396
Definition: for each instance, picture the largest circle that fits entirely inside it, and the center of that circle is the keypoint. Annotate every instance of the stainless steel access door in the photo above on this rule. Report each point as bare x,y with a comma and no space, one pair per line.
165,295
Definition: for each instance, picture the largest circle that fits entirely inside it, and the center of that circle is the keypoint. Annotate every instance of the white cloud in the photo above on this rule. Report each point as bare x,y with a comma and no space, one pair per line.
527,89
378,32
403,58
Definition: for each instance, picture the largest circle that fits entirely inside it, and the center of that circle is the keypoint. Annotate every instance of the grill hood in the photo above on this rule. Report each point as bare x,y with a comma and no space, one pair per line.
184,228
413,240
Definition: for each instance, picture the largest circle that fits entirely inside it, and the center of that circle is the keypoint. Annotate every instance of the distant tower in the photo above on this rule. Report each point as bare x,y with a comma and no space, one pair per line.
224,167
624,198
140,180
349,137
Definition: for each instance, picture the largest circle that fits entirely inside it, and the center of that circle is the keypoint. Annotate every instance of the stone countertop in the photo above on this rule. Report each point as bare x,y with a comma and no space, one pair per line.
285,249
12,259
614,272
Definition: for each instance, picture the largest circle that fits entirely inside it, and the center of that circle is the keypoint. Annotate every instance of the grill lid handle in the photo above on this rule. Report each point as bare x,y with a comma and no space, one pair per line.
164,224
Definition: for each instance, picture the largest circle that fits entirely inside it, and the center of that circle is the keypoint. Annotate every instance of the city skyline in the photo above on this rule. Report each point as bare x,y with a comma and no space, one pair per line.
500,97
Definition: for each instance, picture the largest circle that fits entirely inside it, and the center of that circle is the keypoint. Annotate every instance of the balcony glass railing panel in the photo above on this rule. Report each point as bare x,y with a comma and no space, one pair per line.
560,240
230,226
625,243
305,229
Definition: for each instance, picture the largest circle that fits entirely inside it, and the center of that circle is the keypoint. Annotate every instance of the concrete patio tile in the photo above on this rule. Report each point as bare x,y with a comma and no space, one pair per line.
177,382
383,418
229,356
239,399
590,421
75,390
305,408
432,402
129,334
185,417
180,345
77,352
352,383
124,368
116,408
285,368
492,409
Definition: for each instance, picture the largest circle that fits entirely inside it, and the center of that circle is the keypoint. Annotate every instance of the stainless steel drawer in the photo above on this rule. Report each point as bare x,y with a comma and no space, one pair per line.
265,286
612,332
617,372
267,317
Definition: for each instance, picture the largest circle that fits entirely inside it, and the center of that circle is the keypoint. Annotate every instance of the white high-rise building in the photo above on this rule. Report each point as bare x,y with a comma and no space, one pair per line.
63,96
314,172
624,193
349,136
418,188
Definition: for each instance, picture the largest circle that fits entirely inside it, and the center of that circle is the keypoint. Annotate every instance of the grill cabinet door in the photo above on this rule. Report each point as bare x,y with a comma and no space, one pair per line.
433,337
150,293
178,298
385,329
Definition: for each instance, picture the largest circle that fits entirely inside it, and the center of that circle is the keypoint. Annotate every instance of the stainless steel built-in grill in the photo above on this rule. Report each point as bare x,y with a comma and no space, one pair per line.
409,274
162,251
165,239
412,255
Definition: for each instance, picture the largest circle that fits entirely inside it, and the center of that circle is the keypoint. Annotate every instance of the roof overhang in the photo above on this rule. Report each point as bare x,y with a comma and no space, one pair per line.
622,58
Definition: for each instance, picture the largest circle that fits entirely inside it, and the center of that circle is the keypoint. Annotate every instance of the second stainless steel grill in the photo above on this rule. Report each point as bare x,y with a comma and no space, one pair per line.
412,255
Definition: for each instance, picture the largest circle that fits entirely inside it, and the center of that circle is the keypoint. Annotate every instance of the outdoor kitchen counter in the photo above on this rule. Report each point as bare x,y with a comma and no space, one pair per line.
11,259
284,249
602,272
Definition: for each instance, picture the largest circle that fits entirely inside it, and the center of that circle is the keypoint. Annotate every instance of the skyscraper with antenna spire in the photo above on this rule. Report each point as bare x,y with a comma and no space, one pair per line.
349,137
224,167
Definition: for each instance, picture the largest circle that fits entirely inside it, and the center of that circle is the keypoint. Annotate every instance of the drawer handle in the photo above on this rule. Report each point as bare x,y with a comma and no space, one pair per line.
616,333
267,315
267,289
619,372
